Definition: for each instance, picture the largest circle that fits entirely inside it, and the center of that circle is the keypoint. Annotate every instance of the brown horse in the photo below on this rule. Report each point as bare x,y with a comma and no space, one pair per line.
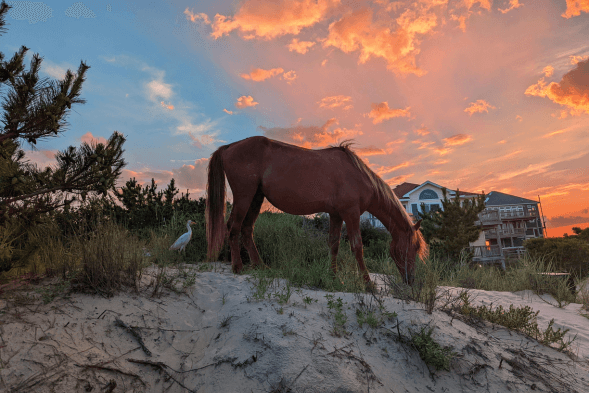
302,181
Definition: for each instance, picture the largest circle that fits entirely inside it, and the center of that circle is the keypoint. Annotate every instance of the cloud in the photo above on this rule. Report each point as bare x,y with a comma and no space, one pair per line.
335,102
167,106
572,91
398,45
311,136
381,112
53,70
29,10
196,17
91,139
200,140
289,76
369,151
245,101
518,118
271,19
458,139
259,74
561,221
576,59
423,131
301,47
548,71
383,170
393,181
486,4
513,4
575,7
228,112
479,106
42,158
158,89
78,10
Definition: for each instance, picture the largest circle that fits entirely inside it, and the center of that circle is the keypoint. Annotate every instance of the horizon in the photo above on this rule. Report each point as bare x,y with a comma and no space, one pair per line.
470,94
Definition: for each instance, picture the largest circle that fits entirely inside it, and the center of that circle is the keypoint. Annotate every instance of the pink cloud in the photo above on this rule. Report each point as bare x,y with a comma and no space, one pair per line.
381,112
572,91
301,47
245,101
289,76
513,4
336,102
91,139
259,74
227,111
311,136
479,106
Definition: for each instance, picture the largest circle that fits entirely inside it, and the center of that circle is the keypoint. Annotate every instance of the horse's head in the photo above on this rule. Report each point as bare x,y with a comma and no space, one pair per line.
406,248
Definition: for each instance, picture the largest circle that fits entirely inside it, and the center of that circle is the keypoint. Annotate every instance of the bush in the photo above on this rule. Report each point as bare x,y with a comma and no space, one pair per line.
569,254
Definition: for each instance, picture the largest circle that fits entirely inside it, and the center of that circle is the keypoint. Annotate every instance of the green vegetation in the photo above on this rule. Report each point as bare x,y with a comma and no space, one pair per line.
450,229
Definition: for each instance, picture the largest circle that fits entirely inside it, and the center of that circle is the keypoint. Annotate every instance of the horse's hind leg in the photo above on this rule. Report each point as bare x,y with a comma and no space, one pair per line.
335,230
247,227
241,203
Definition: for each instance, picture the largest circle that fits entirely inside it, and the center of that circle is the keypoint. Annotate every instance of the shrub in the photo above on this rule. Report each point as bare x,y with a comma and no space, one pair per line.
569,254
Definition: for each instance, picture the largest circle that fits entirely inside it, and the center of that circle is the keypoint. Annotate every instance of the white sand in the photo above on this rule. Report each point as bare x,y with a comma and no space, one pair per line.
74,345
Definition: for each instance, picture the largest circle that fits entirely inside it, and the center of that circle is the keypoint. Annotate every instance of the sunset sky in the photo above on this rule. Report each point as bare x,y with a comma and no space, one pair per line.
470,94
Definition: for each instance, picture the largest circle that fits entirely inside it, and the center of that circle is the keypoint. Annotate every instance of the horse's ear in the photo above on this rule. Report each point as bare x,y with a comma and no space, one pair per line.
417,224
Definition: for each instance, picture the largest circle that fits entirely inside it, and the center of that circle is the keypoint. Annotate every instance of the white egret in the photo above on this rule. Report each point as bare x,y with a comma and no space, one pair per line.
183,240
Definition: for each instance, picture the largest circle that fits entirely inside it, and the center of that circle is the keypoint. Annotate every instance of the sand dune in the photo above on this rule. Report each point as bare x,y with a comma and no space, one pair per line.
216,338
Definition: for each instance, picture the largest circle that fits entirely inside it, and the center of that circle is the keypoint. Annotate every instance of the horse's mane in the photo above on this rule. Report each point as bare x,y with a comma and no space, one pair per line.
383,192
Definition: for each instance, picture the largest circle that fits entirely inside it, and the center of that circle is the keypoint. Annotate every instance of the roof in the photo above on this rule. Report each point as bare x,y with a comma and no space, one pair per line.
496,198
404,188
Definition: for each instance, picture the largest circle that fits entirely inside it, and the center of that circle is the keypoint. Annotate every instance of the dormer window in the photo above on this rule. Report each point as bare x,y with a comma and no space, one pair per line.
428,194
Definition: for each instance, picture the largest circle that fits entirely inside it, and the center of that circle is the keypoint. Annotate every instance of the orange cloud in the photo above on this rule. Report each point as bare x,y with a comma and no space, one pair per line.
311,136
270,19
335,102
572,91
381,112
548,71
398,179
245,101
383,170
323,63
458,139
518,118
513,4
91,139
259,74
301,47
170,106
369,151
289,76
356,31
574,8
479,106
422,131
228,112
576,59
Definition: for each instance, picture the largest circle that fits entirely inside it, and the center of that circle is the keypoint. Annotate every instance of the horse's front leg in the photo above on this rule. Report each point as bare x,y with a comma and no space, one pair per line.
335,230
355,238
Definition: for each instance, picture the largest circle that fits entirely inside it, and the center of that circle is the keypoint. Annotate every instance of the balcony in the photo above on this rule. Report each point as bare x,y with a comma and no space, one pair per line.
509,232
487,255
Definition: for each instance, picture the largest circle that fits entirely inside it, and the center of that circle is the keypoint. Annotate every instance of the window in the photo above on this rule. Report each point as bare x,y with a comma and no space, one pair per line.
428,194
434,207
414,209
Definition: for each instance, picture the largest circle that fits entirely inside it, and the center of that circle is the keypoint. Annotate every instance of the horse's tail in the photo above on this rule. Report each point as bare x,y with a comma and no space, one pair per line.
215,211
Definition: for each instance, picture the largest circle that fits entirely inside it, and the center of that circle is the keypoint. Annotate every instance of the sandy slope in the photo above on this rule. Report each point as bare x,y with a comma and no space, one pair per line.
77,345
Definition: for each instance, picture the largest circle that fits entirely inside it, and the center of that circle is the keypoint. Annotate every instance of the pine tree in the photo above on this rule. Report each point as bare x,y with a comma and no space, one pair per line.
35,108
451,229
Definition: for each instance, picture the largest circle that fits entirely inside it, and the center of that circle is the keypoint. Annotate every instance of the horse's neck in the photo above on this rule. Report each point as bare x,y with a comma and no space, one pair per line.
391,217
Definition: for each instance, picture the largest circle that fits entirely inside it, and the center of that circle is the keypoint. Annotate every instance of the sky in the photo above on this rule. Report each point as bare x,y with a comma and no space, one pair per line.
480,95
